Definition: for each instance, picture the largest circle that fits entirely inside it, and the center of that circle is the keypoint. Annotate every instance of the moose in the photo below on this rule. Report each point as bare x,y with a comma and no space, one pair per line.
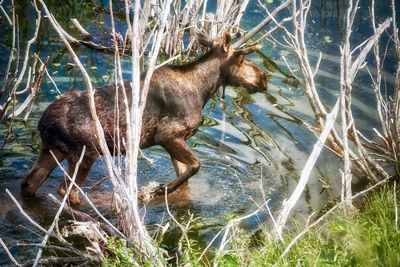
173,112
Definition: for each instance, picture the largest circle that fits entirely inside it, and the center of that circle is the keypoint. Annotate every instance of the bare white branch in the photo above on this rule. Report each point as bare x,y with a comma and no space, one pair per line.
55,220
305,173
80,28
258,28
396,216
14,261
5,13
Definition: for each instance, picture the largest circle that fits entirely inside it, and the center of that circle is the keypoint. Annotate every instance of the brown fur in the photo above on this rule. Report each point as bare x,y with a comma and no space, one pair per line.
172,115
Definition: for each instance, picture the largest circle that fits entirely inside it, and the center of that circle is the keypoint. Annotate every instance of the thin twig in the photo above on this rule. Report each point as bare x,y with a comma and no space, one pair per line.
209,244
24,213
62,261
183,230
265,22
395,206
34,89
80,28
5,13
45,246
230,227
15,262
51,79
87,199
64,201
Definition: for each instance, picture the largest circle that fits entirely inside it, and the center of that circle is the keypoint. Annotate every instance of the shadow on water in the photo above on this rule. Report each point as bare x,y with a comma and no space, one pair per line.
246,143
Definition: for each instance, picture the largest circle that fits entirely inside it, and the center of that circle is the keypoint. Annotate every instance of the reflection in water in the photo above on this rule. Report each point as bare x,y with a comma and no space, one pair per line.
332,10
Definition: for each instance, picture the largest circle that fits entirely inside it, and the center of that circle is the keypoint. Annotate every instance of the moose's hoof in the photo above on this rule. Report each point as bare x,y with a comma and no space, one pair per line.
160,190
74,201
73,198
26,190
150,191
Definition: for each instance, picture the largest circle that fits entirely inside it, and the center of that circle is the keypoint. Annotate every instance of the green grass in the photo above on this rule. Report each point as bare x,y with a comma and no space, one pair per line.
365,237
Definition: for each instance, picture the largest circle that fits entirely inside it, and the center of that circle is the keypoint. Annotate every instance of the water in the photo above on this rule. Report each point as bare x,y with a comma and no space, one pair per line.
249,142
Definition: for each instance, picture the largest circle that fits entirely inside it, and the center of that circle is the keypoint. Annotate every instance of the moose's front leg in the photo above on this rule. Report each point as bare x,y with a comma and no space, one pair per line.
186,164
179,167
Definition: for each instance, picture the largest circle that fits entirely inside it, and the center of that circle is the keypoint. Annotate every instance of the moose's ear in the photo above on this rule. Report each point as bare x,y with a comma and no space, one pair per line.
248,50
201,38
227,40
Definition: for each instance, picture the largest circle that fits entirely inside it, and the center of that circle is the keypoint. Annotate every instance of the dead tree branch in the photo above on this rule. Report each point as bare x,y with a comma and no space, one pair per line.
10,86
9,254
250,34
305,173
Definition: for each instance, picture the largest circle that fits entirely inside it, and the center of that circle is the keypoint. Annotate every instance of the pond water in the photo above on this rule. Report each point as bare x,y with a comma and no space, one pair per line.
246,143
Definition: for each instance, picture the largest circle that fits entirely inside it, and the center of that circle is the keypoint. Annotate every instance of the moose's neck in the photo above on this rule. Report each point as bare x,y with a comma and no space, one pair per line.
209,78
206,75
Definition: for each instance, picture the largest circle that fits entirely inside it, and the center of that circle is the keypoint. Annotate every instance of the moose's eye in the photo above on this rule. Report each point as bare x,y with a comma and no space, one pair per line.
240,61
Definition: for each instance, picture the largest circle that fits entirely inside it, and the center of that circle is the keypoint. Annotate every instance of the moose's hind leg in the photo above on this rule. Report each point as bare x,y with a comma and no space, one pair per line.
44,165
88,160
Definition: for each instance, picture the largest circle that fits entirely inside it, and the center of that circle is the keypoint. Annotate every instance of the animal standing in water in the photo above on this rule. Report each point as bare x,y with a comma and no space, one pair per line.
172,114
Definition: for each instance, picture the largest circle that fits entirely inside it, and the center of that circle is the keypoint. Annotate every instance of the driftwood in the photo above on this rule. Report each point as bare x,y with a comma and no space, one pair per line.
56,235
81,216
50,231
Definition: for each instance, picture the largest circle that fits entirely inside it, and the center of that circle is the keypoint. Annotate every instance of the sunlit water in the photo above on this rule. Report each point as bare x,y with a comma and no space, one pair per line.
250,146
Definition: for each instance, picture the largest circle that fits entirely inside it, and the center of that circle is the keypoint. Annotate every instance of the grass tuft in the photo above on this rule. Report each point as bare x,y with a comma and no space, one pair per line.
364,237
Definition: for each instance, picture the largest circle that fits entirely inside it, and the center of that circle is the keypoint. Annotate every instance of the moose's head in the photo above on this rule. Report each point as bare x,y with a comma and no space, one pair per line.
235,70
